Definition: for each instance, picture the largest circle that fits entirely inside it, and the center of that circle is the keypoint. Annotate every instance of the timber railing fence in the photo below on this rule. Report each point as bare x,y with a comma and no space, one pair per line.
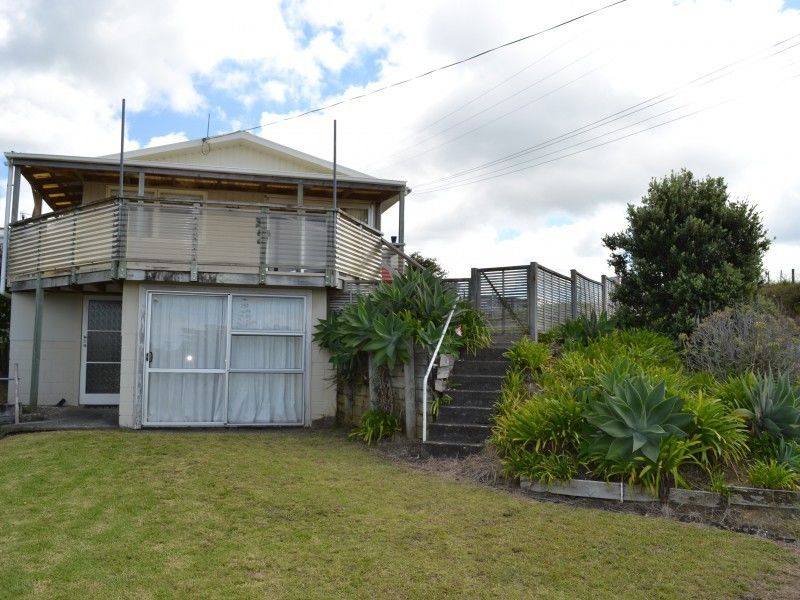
532,299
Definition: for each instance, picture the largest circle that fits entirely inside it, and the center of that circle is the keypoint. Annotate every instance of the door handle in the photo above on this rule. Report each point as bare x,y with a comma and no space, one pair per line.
149,358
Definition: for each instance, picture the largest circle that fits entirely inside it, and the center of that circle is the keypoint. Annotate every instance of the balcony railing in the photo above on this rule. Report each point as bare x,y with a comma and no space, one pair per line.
138,237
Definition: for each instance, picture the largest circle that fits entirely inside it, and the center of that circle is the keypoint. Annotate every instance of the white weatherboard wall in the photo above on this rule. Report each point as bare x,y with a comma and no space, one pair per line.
59,367
321,393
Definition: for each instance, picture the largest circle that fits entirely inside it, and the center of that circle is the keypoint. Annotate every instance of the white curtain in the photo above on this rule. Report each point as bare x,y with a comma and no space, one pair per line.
187,333
265,398
257,397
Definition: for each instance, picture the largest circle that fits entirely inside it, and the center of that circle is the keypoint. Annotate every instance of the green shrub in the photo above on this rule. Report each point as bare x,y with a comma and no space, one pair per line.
439,400
722,435
375,426
788,453
553,468
772,407
543,425
786,296
658,476
579,332
527,356
414,307
747,338
773,475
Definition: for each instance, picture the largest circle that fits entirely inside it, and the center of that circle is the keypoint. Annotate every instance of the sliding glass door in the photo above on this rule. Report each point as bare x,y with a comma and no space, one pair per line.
215,359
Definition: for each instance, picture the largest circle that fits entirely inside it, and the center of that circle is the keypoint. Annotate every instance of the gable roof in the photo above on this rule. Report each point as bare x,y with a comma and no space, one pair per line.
239,150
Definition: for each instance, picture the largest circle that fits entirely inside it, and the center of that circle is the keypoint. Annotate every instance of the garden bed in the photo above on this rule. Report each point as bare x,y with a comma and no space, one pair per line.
739,496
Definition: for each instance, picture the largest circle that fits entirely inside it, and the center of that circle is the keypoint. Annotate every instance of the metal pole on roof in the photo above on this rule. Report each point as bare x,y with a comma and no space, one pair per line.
334,164
122,153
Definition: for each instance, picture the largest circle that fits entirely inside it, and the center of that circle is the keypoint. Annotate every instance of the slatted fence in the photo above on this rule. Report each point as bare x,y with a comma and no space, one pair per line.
532,299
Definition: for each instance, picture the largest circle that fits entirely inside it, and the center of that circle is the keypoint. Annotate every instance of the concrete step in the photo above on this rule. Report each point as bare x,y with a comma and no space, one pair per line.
449,449
478,415
481,367
491,353
480,398
462,433
464,381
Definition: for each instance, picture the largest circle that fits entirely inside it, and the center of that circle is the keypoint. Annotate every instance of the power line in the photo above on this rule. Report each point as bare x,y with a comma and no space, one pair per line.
432,71
557,158
702,80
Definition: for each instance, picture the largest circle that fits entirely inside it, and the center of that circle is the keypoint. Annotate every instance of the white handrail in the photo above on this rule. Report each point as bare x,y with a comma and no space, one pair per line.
427,374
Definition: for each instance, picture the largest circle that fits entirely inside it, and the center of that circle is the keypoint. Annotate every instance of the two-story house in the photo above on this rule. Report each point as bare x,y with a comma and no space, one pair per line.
188,297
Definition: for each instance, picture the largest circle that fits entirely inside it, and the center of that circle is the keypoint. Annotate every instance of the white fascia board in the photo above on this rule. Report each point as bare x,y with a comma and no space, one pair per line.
156,165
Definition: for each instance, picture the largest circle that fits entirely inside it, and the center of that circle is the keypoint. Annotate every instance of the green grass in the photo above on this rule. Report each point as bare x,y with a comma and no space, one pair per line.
285,514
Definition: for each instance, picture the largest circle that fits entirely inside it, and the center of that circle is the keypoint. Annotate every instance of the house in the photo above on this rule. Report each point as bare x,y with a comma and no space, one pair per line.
189,296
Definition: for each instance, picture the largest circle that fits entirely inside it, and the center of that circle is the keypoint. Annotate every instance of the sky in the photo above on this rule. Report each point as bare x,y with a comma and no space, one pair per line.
529,153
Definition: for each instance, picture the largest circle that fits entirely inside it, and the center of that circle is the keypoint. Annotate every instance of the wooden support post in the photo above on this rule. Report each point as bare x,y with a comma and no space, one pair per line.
36,354
533,301
15,197
574,293
37,205
141,184
401,225
410,396
475,288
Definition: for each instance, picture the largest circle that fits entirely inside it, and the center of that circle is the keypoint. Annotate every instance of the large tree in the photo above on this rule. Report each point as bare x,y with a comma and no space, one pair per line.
688,250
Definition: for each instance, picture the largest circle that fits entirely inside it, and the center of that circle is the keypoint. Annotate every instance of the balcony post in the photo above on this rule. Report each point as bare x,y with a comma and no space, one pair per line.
330,273
119,243
195,241
263,238
6,228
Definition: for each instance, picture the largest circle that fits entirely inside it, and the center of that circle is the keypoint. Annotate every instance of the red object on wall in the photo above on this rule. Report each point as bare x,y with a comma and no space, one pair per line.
386,275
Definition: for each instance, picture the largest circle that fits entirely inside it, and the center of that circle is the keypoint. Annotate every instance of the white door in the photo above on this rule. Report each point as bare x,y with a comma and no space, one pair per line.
219,359
100,350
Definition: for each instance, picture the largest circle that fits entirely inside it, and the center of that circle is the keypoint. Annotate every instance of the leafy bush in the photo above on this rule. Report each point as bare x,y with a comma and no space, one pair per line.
748,338
687,249
773,475
658,476
722,435
375,426
414,307
579,332
543,425
772,407
527,356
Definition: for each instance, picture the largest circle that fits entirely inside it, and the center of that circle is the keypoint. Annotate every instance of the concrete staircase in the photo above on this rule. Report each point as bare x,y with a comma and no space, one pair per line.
463,426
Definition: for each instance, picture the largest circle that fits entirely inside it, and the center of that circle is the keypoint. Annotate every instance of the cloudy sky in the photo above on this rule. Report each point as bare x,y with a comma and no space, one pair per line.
529,153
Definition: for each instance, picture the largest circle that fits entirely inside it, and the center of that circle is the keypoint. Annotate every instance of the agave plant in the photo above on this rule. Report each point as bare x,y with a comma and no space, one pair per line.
772,407
635,418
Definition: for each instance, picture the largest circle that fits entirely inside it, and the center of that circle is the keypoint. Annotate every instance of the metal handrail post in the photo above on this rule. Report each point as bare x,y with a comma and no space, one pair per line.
428,373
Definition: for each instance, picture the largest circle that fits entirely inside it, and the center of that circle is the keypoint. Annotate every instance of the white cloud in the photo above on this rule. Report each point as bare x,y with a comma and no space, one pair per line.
169,138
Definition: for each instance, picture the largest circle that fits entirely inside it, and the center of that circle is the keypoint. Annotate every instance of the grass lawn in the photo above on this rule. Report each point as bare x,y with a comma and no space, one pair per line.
296,514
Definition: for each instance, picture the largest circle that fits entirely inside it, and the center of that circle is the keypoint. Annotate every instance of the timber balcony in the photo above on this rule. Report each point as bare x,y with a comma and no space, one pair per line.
149,239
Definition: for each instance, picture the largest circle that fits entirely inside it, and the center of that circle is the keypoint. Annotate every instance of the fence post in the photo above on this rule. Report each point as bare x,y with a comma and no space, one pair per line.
475,289
604,286
574,295
533,300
